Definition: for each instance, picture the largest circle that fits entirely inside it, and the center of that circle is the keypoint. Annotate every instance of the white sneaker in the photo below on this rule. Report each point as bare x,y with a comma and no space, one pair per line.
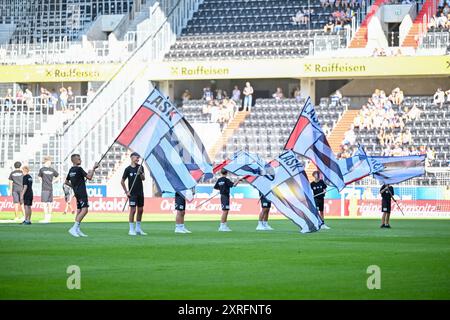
260,227
180,230
304,231
268,228
44,221
74,233
324,227
140,233
81,234
224,229
132,233
186,230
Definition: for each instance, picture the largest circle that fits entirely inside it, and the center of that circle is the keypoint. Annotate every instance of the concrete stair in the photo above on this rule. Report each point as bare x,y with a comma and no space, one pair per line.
359,40
419,27
227,133
336,136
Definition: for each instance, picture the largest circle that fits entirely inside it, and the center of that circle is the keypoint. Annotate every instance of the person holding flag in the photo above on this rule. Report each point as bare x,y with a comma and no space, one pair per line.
135,193
387,192
263,225
223,184
319,189
76,180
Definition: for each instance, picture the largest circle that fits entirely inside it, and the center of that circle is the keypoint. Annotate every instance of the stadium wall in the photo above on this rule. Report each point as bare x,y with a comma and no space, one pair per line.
348,208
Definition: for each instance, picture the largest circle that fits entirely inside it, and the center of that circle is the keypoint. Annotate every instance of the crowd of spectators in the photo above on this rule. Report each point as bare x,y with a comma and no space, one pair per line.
47,100
387,115
441,20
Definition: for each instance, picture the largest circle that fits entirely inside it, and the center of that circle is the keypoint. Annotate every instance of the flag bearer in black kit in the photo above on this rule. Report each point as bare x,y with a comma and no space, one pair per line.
135,193
15,187
27,194
76,179
387,192
264,215
319,189
224,185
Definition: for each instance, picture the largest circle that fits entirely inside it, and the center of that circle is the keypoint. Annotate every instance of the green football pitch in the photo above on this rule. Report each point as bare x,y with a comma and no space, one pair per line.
413,259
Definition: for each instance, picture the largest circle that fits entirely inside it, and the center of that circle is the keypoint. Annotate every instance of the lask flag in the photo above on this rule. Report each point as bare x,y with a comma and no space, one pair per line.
169,145
399,169
359,166
307,139
289,190
243,163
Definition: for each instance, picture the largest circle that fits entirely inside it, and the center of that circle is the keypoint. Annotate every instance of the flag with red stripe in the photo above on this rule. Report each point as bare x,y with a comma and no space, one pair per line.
307,139
174,153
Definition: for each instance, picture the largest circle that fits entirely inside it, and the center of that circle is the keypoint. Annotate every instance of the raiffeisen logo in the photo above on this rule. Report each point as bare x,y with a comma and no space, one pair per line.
334,67
202,70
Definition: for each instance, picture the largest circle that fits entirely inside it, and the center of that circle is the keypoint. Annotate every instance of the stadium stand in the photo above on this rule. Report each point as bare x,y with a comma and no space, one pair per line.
55,20
257,28
269,124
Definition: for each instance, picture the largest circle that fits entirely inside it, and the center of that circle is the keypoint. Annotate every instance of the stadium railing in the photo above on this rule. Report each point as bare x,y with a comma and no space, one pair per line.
95,127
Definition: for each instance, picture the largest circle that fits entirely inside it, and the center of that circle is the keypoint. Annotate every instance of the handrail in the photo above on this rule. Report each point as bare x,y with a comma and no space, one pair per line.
120,68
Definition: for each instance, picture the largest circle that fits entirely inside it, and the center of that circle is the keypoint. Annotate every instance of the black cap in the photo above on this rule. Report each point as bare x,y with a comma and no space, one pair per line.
135,154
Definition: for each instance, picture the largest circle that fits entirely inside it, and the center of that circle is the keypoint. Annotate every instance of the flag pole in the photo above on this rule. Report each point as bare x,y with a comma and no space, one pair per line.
392,197
323,192
132,185
207,200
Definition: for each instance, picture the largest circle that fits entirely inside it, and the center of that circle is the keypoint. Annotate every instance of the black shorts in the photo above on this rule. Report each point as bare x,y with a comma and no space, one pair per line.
137,200
265,204
82,202
319,204
225,201
28,201
180,203
386,206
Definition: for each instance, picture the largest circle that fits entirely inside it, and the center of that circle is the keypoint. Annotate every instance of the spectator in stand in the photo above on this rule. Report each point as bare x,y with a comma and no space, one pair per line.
432,24
19,96
447,93
248,97
298,94
324,3
236,94
329,27
215,111
441,22
301,17
186,96
230,106
431,156
70,98
9,100
28,98
45,96
207,94
414,113
63,98
407,137
278,95
220,95
336,98
54,98
439,98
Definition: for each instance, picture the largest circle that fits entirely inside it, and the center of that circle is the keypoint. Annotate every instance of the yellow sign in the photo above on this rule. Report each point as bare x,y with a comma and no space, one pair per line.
57,73
317,68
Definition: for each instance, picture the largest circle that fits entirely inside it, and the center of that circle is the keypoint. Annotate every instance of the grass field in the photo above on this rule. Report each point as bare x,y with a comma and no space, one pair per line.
414,258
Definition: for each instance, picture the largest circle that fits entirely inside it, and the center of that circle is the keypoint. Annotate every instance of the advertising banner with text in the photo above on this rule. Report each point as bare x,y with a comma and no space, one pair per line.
333,207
